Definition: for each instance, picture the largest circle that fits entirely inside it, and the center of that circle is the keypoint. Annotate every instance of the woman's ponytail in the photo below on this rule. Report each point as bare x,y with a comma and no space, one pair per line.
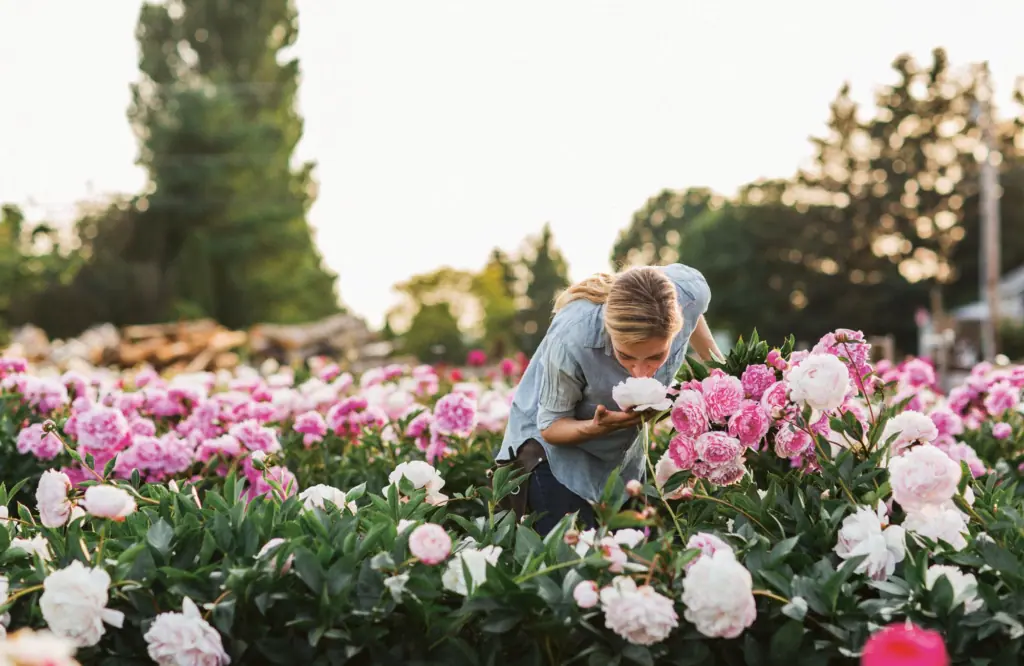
594,289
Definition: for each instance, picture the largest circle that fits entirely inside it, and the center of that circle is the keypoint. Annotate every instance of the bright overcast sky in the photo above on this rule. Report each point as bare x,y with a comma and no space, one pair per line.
443,128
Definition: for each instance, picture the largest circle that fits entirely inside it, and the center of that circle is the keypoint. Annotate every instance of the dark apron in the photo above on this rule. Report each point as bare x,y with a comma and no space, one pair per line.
530,454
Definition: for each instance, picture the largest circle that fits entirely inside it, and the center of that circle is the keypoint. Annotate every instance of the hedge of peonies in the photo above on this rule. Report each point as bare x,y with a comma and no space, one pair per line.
800,508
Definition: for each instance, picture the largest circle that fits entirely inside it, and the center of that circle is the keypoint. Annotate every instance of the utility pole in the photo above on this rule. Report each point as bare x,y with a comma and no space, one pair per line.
990,261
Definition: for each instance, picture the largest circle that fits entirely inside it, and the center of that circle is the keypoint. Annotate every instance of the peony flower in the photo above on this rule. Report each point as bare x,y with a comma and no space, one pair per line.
965,585
690,414
37,545
585,594
74,604
42,444
665,470
52,498
750,424
1002,397
1002,430
630,538
613,553
312,426
776,361
940,523
909,428
707,544
947,422
476,561
727,473
717,447
640,615
641,394
682,449
422,476
821,382
718,594
108,502
791,441
430,544
723,395
455,414
904,645
867,532
317,496
175,639
923,475
757,379
26,647
775,400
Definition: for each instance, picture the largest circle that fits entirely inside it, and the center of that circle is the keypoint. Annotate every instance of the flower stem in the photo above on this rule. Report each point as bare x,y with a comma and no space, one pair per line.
735,508
21,593
216,601
654,480
771,595
553,567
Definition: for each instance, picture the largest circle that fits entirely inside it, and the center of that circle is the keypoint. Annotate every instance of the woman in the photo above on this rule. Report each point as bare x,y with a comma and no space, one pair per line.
564,425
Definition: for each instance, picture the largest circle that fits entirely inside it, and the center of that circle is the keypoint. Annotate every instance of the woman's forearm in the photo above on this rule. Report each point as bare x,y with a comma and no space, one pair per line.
569,432
703,342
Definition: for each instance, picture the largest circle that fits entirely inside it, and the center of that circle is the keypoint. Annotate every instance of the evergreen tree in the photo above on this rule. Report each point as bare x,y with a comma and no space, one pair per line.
654,234
224,221
548,276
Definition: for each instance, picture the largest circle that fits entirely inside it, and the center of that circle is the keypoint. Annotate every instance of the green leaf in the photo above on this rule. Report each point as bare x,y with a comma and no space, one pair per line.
527,543
160,535
1000,559
500,624
782,549
638,654
307,566
785,644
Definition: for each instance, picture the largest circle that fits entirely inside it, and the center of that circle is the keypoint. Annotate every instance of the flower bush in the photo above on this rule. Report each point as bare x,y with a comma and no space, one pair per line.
800,508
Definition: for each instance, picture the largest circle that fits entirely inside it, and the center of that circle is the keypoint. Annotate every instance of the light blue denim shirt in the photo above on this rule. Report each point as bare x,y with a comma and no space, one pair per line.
574,371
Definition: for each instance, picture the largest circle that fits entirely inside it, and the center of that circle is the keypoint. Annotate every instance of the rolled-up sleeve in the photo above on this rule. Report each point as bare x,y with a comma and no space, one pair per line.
561,386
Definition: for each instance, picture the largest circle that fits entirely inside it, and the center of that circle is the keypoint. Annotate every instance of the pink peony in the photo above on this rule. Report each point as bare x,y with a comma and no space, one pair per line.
750,424
717,447
918,373
790,441
585,594
312,426
690,414
430,544
455,414
776,361
1002,397
775,400
41,444
904,644
999,431
723,395
476,358
947,421
102,432
727,473
281,476
756,379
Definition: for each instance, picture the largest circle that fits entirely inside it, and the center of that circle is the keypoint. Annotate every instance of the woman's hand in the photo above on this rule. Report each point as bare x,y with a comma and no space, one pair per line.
606,421
569,432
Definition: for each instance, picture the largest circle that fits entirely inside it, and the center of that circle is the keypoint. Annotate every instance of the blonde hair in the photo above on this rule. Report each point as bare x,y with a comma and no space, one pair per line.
639,304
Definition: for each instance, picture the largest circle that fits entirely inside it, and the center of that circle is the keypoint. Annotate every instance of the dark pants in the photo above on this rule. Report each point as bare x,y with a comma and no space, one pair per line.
553,501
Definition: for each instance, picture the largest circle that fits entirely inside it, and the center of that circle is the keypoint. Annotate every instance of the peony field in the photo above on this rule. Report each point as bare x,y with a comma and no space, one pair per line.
804,508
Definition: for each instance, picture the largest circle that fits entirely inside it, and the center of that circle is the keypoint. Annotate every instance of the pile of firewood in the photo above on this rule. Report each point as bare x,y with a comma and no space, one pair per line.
195,346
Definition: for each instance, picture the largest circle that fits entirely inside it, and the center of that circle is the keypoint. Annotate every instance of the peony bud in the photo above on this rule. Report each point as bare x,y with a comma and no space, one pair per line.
108,502
571,538
635,488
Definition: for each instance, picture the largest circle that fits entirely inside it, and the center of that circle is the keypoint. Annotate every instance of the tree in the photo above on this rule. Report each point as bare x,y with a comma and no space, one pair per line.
547,277
224,217
653,235
494,288
434,335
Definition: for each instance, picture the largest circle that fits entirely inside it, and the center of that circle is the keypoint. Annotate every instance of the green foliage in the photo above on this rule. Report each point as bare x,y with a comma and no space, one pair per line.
548,276
654,234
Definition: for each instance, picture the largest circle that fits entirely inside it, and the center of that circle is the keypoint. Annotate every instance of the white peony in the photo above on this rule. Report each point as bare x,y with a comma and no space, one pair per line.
74,604
909,427
421,475
185,638
940,523
923,475
820,381
315,496
396,586
640,615
665,470
867,532
718,594
454,576
641,394
26,647
965,585
108,502
52,498
37,545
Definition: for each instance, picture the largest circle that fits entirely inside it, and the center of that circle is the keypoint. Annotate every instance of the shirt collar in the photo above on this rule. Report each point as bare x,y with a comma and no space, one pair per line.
598,338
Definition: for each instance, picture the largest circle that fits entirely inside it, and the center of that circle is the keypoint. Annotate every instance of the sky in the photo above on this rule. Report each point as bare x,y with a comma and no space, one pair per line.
444,128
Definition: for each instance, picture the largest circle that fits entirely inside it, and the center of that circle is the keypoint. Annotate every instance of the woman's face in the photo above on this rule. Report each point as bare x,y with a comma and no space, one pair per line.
642,359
